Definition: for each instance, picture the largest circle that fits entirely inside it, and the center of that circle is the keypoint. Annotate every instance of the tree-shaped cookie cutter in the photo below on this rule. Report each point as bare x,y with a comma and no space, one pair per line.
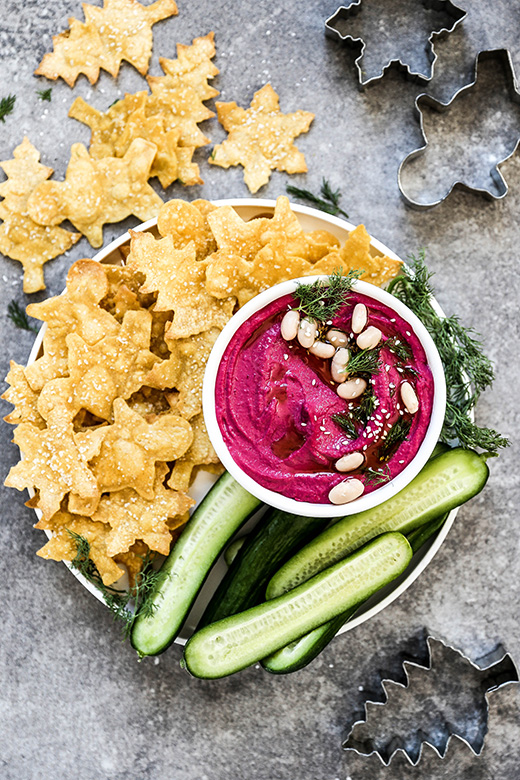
427,100
351,10
494,671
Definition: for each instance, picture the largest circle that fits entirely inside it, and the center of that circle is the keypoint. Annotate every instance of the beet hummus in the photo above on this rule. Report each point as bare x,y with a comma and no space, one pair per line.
285,424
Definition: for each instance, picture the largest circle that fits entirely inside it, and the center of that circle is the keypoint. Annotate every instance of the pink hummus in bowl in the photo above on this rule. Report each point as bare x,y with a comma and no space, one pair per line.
281,426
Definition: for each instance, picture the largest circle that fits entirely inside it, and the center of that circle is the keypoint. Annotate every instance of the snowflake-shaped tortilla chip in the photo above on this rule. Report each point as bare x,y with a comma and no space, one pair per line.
116,366
62,545
121,30
54,463
355,255
131,446
261,138
178,278
23,398
99,191
20,237
132,517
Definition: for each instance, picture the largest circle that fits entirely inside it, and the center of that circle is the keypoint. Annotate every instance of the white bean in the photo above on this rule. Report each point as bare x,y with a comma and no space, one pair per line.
290,323
322,350
359,317
337,337
370,338
350,462
352,389
307,332
339,364
346,491
409,398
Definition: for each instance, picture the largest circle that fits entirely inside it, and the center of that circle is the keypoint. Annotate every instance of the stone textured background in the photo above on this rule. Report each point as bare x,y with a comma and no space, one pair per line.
74,701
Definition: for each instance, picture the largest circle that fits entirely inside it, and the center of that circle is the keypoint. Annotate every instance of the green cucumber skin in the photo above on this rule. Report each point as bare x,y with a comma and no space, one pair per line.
300,653
446,481
233,548
277,536
240,640
217,518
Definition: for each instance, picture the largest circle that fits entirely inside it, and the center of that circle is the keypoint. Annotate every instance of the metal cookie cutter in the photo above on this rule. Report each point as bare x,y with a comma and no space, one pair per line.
424,99
431,709
333,23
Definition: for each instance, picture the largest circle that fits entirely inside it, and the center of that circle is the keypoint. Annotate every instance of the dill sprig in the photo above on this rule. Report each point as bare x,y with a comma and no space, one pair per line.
364,362
45,94
322,299
346,423
468,370
119,601
376,477
329,201
6,106
398,347
18,316
396,435
366,407
114,102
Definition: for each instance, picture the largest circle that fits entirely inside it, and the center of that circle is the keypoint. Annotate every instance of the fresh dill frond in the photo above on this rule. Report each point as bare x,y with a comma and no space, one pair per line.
468,370
113,103
364,362
398,347
329,201
346,423
322,299
376,477
396,435
366,407
18,316
45,94
6,106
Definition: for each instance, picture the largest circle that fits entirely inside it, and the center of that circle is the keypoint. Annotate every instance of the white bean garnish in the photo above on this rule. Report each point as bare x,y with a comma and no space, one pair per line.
339,365
322,350
337,337
352,388
409,398
350,462
370,338
290,323
307,332
359,317
346,491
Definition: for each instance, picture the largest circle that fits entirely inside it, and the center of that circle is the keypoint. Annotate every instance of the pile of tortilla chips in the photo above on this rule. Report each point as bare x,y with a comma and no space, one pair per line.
109,417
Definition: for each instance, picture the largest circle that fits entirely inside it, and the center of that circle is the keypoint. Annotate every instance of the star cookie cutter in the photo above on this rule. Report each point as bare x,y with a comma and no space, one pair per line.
427,100
351,10
492,672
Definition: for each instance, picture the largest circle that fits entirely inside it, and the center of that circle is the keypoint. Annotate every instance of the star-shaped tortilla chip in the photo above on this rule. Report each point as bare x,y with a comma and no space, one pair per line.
20,237
131,446
121,30
132,517
23,398
260,138
54,463
178,278
99,191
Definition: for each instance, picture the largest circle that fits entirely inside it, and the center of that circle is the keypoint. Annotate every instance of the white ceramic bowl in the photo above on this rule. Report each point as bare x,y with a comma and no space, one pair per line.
307,508
310,219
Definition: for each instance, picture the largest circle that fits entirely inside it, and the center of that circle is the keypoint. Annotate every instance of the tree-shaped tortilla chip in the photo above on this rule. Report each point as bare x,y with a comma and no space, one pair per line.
260,138
20,237
121,30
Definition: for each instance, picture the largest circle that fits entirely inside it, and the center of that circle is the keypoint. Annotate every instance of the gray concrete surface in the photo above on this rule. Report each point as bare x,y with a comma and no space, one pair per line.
74,701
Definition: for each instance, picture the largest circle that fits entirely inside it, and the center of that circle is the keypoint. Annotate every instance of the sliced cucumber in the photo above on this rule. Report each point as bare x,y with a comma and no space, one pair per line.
217,518
446,481
240,640
276,538
233,548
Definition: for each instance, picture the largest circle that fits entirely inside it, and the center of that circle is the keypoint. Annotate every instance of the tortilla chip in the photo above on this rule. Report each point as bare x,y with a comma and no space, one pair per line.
133,518
185,223
23,398
192,67
62,546
54,463
131,446
20,237
121,30
58,401
200,453
99,191
178,278
260,138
